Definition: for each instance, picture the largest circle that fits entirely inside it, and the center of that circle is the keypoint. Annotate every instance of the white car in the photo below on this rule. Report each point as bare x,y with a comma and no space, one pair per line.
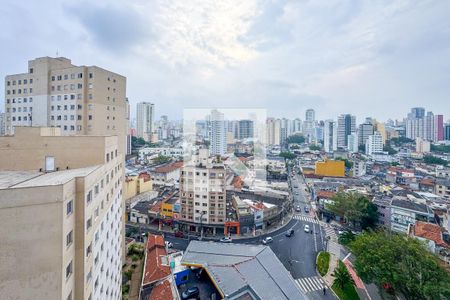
226,239
267,240
306,228
168,244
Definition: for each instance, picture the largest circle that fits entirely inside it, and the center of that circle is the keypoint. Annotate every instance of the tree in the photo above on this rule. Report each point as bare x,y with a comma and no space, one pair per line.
433,160
401,262
440,148
161,159
354,208
348,164
362,148
388,148
314,148
295,139
341,276
287,155
401,141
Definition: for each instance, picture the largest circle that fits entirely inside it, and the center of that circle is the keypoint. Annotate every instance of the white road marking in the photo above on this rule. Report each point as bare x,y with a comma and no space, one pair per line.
311,284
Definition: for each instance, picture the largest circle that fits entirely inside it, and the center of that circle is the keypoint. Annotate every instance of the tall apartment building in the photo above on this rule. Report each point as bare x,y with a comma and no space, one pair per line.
297,125
422,146
245,128
81,100
61,211
330,136
346,125
374,144
447,131
364,131
145,118
2,123
438,134
218,134
203,193
310,122
273,131
353,145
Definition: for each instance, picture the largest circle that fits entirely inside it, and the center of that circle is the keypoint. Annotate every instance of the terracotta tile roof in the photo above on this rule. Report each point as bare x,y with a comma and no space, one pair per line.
325,194
156,207
170,167
238,182
429,231
162,291
154,269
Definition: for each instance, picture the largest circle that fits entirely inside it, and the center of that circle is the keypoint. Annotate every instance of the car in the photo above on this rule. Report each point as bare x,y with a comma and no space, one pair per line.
168,244
296,186
267,240
306,209
190,293
290,232
297,193
306,228
298,208
179,234
226,239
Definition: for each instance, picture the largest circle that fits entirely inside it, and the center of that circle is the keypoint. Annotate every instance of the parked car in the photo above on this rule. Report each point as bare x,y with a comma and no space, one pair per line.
226,239
179,234
168,244
306,228
298,208
290,232
267,240
190,293
306,209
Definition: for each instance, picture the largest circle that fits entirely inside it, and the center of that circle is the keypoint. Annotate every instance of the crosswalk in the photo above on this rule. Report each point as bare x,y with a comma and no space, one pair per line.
311,284
329,231
306,219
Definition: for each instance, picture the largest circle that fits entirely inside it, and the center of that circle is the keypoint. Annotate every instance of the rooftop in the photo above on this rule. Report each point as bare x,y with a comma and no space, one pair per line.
429,231
237,269
22,179
170,167
154,269
407,204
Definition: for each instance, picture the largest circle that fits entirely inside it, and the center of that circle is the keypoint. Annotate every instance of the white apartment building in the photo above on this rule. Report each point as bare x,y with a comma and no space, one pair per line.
203,193
61,211
353,145
330,136
422,146
218,134
374,144
81,100
145,118
273,131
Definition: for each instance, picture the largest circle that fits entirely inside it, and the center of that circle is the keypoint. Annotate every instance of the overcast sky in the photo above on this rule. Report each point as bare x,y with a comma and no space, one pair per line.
369,58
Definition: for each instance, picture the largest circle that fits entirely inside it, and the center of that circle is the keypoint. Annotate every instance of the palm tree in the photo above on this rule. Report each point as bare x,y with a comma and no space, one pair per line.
341,276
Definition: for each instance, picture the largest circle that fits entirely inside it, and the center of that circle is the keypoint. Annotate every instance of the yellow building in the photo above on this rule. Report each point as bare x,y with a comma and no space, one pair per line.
137,184
167,207
330,168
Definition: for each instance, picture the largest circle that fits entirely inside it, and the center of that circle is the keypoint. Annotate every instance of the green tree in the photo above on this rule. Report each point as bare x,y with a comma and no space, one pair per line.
295,139
388,148
341,276
315,148
161,159
287,155
433,160
348,164
354,208
362,148
401,262
440,148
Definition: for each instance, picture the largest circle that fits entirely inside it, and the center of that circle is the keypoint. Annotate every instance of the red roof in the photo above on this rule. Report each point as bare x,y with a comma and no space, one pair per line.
162,291
238,182
156,207
154,268
429,231
170,167
325,194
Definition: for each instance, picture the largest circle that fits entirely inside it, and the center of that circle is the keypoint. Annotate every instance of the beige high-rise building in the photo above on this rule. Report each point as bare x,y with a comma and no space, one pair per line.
145,118
81,100
61,212
203,193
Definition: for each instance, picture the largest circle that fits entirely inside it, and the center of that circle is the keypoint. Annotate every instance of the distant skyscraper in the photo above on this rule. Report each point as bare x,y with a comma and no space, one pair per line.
438,128
346,126
330,136
245,129
297,125
353,145
145,117
273,131
218,142
417,112
365,130
447,132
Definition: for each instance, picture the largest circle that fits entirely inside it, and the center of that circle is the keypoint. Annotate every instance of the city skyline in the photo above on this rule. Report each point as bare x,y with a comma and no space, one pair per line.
274,55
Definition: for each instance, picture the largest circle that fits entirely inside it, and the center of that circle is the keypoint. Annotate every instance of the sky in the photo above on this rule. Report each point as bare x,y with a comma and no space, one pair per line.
368,58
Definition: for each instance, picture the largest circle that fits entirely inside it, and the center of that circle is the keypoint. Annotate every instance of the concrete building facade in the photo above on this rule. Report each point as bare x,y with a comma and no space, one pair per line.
145,117
62,211
346,126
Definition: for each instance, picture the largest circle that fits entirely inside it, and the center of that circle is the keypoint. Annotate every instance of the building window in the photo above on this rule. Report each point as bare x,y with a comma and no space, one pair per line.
69,207
69,270
89,197
89,250
89,223
69,238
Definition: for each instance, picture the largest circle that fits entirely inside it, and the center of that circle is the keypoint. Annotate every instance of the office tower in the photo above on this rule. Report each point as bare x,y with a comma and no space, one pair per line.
145,118
429,126
203,193
374,144
318,133
218,141
422,146
310,120
353,145
297,125
438,128
273,131
365,130
245,129
81,100
346,126
2,123
330,136
417,112
447,131
61,211
285,130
